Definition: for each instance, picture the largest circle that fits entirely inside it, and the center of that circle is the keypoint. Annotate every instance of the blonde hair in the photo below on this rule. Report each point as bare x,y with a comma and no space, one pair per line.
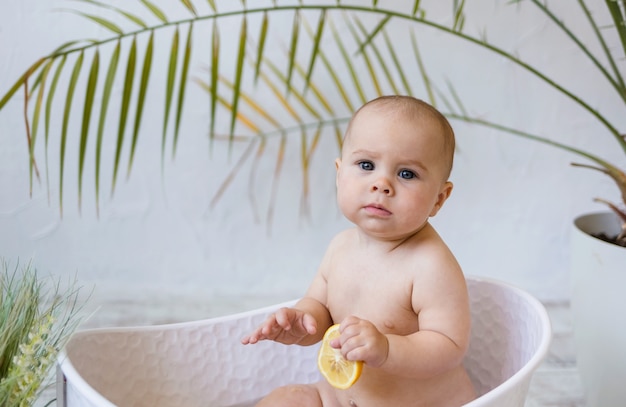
416,110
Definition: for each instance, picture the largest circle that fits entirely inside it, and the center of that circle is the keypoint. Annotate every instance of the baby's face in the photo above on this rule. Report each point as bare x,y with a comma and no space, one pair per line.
391,176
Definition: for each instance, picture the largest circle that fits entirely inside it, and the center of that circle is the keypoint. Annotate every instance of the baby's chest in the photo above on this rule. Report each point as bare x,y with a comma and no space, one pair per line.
384,299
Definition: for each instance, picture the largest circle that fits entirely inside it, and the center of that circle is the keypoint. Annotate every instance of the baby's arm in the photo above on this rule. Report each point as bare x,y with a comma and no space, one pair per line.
438,346
304,324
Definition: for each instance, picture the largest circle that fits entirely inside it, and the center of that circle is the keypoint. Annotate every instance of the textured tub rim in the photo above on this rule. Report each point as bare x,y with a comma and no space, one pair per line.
526,372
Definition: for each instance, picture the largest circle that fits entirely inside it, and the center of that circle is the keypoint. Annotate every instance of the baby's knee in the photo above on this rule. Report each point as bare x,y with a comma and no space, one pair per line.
300,395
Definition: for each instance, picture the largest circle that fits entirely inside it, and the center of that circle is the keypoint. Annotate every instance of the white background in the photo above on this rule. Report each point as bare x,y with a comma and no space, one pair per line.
159,239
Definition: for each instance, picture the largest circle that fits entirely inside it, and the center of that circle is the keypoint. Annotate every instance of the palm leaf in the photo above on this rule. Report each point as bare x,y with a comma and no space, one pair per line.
366,59
182,86
106,97
103,22
155,10
169,90
141,98
379,57
20,82
66,120
422,69
261,45
51,92
369,63
397,64
243,34
35,121
370,37
189,6
87,110
316,46
348,64
124,107
293,47
214,75
131,17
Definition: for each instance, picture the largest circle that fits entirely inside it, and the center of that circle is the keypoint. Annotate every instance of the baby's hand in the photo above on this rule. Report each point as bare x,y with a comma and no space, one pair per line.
361,340
287,325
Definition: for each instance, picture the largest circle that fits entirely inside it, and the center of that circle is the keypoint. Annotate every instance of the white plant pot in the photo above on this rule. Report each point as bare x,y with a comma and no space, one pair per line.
598,306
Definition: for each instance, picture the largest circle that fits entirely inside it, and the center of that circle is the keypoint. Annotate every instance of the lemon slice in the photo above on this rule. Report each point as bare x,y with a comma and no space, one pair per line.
338,371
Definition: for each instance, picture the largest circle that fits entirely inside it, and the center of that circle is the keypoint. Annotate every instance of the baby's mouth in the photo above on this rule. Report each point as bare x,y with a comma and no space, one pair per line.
377,210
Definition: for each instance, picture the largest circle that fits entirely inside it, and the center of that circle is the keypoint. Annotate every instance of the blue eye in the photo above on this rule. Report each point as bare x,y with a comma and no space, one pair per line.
406,174
366,165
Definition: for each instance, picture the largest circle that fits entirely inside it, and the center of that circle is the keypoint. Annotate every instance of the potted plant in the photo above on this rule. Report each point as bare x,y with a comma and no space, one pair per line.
273,89
36,320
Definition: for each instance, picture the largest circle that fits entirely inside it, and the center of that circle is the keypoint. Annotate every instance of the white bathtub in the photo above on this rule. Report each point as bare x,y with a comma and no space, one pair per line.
202,363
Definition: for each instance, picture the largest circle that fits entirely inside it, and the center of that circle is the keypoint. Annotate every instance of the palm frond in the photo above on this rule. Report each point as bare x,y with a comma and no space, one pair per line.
87,110
66,120
182,86
104,107
352,69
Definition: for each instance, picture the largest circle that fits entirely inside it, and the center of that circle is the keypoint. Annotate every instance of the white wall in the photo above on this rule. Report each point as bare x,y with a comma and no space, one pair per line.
158,240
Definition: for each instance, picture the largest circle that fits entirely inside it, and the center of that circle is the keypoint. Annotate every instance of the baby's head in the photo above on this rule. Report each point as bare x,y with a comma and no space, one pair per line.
419,114
394,167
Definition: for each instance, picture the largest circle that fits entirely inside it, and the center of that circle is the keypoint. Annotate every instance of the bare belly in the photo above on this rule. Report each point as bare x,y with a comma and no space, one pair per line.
451,389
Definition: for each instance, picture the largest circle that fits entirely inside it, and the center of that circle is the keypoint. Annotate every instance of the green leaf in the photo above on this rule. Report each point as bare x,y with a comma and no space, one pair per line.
369,38
457,99
155,10
106,97
126,96
293,47
189,7
366,60
459,16
422,68
617,80
349,66
333,74
379,57
416,7
215,57
20,82
103,22
87,110
35,122
66,119
62,48
318,94
619,19
397,64
182,86
261,46
49,100
243,34
316,46
143,88
169,91
126,14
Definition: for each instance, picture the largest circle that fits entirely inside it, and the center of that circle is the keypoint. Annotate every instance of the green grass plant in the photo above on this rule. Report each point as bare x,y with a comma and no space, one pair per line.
37,318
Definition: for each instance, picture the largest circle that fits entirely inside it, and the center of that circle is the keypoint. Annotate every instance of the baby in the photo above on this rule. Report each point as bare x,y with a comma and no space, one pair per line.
391,282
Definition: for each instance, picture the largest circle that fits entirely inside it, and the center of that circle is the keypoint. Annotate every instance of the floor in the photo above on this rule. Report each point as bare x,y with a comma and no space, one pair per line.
555,383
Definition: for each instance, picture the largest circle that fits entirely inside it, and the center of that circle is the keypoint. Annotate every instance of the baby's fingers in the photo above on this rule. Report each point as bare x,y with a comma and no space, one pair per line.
282,319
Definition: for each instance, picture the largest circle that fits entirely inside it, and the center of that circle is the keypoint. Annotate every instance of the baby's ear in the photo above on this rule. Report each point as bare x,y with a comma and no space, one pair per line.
444,194
337,166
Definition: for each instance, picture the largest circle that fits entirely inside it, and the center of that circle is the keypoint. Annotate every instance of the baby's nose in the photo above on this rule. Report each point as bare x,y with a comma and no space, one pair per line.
382,185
